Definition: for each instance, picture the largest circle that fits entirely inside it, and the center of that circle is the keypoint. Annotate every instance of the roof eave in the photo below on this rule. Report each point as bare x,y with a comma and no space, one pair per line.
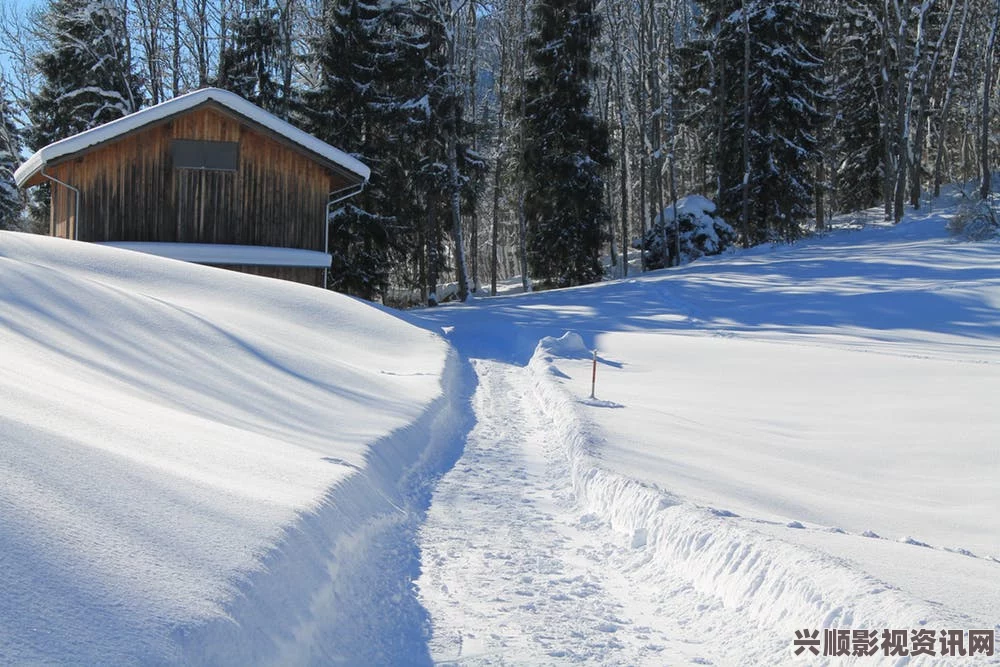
25,174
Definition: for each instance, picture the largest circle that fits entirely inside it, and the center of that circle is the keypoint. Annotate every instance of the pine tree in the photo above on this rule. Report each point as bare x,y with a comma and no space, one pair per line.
856,130
566,146
448,170
11,200
785,86
248,66
86,70
766,80
86,76
372,101
342,110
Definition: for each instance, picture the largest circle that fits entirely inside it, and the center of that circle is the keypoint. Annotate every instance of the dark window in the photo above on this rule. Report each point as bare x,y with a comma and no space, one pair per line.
216,155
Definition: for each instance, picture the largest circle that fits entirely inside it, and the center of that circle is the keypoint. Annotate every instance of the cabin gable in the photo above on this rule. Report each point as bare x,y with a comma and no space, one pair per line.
131,190
209,168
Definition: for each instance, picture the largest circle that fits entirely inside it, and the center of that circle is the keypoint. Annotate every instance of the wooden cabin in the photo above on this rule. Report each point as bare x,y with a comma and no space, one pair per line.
206,177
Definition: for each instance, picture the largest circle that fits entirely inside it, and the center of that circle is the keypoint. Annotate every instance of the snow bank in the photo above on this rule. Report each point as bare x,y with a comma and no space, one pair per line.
775,585
205,466
569,346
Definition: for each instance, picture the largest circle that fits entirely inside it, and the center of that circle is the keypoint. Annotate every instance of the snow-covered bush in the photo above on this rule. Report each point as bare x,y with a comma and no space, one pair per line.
701,233
974,221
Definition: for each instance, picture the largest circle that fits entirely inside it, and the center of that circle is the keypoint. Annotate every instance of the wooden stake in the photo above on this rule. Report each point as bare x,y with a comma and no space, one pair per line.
593,376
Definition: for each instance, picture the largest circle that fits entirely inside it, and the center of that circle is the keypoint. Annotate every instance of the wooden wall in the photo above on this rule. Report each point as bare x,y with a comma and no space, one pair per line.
297,274
131,192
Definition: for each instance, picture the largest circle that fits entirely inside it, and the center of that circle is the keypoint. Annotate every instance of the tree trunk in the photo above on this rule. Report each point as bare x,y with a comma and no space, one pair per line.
888,173
175,51
654,144
456,213
522,226
901,138
608,192
916,161
820,209
984,137
672,126
643,129
746,128
433,253
498,166
472,50
946,105
620,104
623,183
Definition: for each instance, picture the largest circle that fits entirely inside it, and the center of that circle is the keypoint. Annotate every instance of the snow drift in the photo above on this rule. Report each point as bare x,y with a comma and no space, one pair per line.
193,459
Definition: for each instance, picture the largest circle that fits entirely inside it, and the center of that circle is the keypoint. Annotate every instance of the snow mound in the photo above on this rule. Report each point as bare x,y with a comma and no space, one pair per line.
701,232
203,466
694,205
568,346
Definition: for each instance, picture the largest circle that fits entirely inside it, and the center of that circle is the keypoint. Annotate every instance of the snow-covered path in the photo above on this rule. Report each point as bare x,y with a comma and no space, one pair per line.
767,444
515,572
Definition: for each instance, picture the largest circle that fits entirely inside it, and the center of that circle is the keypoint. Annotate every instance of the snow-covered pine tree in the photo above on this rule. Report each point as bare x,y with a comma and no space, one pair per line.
767,117
85,69
447,171
856,138
248,66
349,108
785,85
86,75
566,146
380,97
11,200
433,105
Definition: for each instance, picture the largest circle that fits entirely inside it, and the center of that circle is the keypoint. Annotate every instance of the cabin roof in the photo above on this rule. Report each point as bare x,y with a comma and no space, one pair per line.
139,119
221,254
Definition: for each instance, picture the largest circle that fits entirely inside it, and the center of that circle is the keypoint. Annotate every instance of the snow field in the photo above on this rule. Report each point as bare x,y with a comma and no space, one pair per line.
767,587
201,466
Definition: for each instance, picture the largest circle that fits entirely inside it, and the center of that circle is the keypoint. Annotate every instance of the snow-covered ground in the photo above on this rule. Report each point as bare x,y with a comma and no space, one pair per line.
203,466
783,438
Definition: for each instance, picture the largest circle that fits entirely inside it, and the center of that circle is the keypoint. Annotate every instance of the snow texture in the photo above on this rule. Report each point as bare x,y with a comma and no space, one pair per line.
139,119
206,467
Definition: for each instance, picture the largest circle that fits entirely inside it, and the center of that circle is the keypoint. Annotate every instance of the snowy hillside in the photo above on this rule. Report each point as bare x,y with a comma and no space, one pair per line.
196,463
782,438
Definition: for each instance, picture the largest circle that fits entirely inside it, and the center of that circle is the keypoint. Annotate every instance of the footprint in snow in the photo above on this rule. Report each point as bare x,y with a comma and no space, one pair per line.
722,513
914,542
961,551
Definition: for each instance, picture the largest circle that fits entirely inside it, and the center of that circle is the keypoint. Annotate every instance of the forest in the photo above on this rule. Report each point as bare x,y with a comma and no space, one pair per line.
546,139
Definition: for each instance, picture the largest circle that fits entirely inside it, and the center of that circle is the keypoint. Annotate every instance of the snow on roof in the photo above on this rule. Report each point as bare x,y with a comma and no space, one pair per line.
218,253
116,128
